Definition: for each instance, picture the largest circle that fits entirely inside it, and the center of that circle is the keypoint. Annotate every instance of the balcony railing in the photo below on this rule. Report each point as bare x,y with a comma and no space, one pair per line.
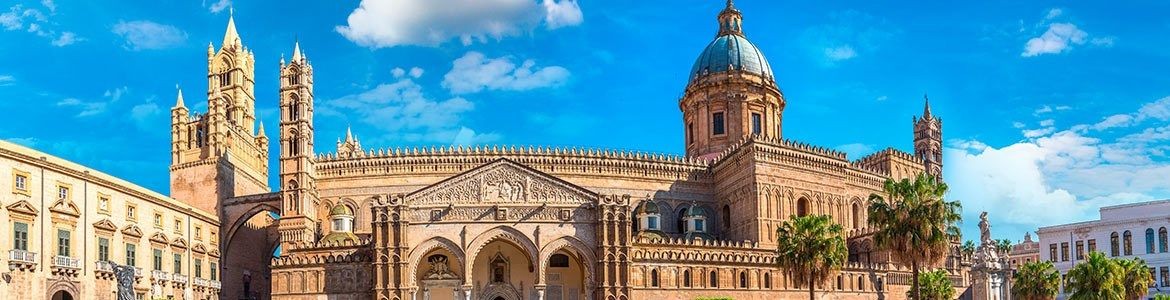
23,256
137,272
201,282
215,284
103,266
180,278
159,275
66,262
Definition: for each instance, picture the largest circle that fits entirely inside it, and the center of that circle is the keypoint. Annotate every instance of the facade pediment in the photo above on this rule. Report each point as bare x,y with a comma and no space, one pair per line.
179,243
66,207
160,238
23,207
132,230
501,182
105,225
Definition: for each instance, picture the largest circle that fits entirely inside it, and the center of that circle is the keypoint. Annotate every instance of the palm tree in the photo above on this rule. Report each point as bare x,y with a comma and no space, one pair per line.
1136,277
1036,280
1095,278
935,285
1162,297
968,248
915,224
1004,245
812,248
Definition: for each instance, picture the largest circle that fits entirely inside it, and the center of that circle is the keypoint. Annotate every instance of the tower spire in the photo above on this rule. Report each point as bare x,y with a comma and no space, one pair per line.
348,135
179,101
926,107
296,56
260,130
231,37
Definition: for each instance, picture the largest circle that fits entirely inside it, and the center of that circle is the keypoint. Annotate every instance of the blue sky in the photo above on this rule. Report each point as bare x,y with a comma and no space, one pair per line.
1051,109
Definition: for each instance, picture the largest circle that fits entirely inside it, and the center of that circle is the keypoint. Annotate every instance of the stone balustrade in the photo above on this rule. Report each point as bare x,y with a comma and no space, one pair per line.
215,284
179,278
61,261
157,275
22,260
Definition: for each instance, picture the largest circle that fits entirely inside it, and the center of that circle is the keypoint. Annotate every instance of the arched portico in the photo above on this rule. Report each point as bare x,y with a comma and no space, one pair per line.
248,242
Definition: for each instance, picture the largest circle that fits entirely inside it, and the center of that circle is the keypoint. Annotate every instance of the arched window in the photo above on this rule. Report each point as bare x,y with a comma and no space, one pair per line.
860,283
686,278
714,280
840,283
681,226
1149,241
1127,242
1162,240
802,207
294,111
743,279
1114,250
726,216
767,280
856,215
654,278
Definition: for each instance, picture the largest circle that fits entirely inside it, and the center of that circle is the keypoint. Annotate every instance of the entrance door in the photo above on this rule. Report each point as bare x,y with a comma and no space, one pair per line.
62,295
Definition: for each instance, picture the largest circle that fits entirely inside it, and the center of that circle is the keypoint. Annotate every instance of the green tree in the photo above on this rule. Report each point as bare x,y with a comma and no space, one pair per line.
812,248
935,285
915,224
1004,245
1036,280
1095,278
1136,277
1162,297
968,248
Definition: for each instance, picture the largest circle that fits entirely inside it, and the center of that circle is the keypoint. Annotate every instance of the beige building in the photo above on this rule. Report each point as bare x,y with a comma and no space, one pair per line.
479,222
1025,251
64,224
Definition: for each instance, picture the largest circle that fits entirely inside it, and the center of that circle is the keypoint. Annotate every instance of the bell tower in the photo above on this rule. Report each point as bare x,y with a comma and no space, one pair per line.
297,166
928,140
218,154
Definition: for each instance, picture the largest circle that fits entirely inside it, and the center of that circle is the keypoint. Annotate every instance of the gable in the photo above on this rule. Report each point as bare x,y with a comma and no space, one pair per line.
23,207
132,230
501,182
66,207
105,225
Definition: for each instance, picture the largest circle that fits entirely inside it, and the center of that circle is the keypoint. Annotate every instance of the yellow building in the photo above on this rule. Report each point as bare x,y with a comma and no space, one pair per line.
64,224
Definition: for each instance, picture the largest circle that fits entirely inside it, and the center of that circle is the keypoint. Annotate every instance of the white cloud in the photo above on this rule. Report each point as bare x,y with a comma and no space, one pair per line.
145,114
6,80
398,72
1056,176
1053,13
147,35
32,20
840,53
847,35
86,108
1058,38
219,6
416,72
474,73
405,114
562,13
388,23
1102,41
65,39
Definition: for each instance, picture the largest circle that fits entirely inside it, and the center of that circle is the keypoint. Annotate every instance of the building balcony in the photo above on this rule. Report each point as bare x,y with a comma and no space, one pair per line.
159,276
201,282
179,278
22,260
61,261
104,270
214,284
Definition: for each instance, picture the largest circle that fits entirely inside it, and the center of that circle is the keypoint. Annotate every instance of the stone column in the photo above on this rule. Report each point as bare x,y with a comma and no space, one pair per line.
467,291
539,291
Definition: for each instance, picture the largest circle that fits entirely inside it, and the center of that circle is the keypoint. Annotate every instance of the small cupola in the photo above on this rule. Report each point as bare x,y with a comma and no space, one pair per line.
695,217
341,219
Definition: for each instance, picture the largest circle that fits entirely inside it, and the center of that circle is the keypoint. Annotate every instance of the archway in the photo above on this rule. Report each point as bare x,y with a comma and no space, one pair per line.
567,275
438,270
62,295
501,269
248,248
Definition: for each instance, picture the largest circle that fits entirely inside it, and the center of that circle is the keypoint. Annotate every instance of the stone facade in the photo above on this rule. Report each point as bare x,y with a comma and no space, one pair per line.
1127,231
1025,251
65,224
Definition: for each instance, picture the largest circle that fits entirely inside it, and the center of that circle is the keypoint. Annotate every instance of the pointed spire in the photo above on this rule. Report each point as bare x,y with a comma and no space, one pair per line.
730,20
179,101
926,108
348,135
260,130
231,36
297,51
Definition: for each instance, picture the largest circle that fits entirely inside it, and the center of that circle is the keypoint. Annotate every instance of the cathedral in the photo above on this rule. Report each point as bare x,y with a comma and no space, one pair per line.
510,222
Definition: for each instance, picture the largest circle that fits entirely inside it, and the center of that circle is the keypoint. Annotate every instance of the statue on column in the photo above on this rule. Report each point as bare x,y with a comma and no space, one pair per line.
985,230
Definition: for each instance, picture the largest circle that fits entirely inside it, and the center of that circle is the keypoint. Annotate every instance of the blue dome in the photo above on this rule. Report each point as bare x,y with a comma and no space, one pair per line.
731,51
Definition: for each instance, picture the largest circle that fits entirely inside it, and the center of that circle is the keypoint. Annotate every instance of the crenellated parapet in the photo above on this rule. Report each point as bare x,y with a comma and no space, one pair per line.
891,163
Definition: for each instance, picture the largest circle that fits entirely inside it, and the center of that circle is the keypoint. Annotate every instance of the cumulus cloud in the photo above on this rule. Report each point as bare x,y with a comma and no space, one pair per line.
406,114
34,21
1058,38
474,72
218,6
388,23
147,35
1062,175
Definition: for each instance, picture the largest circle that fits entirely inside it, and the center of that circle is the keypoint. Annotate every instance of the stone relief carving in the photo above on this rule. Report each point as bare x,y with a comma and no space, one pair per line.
439,268
498,183
530,213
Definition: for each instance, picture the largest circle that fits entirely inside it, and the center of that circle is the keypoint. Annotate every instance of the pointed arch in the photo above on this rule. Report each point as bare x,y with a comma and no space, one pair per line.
505,233
417,253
